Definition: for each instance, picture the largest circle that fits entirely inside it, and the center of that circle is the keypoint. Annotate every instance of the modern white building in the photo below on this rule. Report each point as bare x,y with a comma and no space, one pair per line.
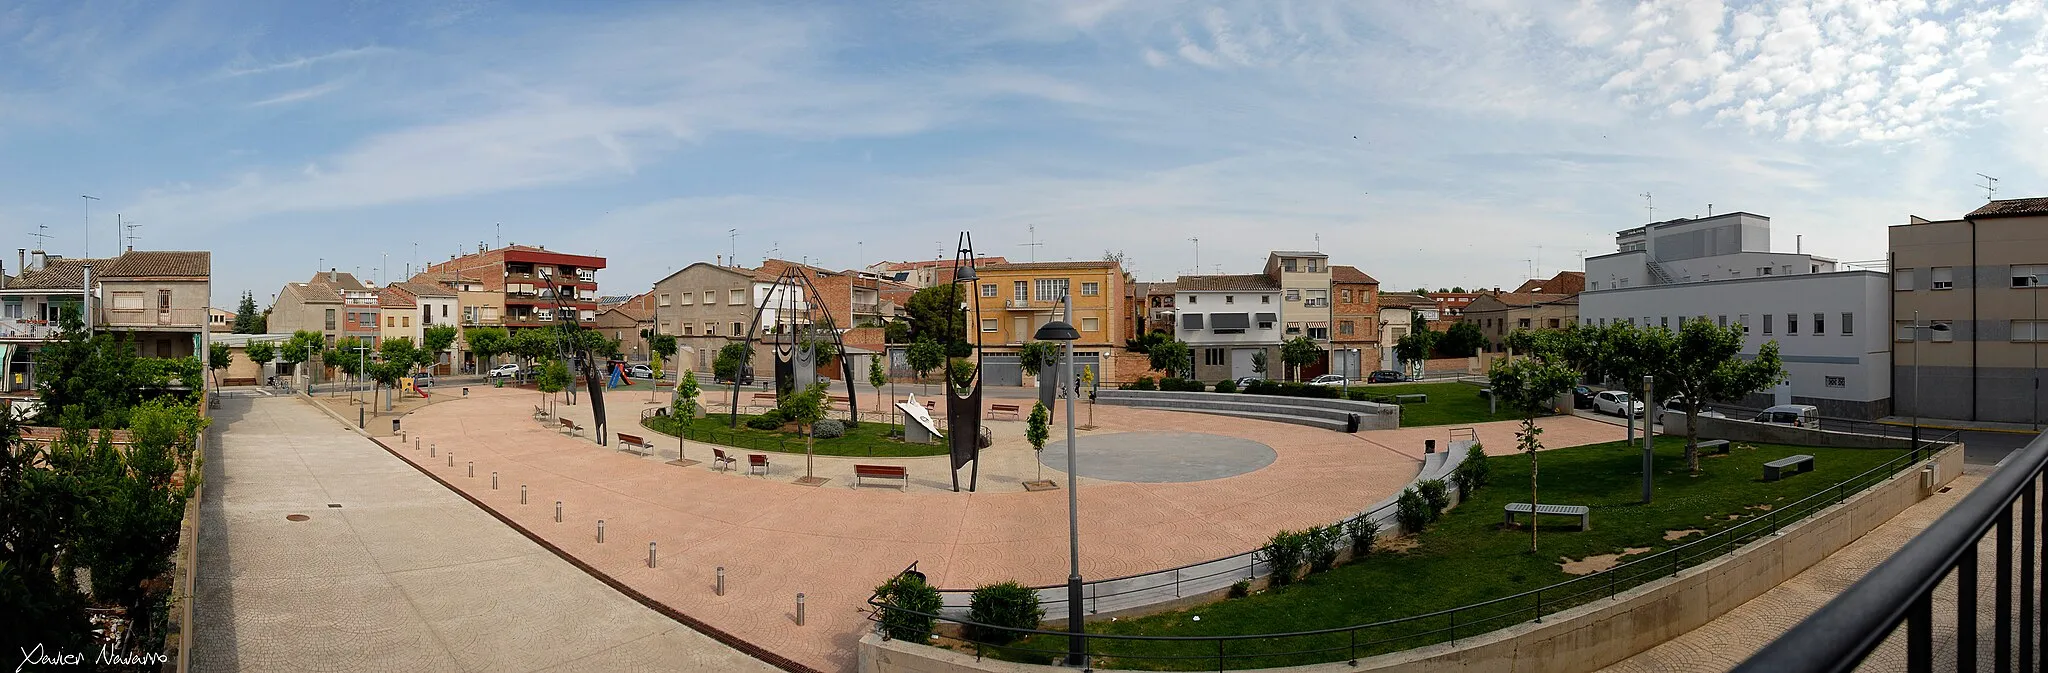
1831,326
1226,320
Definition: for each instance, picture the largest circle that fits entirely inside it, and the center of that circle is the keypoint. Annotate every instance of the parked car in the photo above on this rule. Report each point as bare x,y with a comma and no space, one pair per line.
1613,402
1385,376
1796,415
746,377
640,372
423,380
1679,404
1582,397
1328,380
509,369
1245,381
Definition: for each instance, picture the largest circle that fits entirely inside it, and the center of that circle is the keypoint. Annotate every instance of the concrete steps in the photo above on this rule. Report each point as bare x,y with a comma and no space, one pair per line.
1327,414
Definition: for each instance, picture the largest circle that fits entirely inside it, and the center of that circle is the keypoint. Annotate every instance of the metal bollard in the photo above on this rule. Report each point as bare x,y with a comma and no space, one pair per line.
799,609
433,449
522,494
720,589
472,468
494,481
600,531
650,553
451,459
558,511
415,443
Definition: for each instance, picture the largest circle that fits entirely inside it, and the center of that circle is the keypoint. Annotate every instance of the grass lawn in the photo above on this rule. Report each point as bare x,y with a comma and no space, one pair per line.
870,438
1449,404
1469,557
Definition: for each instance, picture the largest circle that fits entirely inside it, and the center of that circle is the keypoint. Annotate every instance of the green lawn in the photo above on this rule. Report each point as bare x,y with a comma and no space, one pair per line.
870,438
1469,557
1449,404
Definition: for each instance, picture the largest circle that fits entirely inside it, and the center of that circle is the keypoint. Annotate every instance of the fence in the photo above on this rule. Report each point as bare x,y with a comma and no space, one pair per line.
1267,650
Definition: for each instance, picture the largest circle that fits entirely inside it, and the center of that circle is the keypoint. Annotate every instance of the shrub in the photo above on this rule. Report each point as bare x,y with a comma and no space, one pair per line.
1226,386
1411,511
1009,605
1181,385
1241,589
828,429
1322,547
1472,473
1143,383
908,592
1437,495
1285,554
767,421
1363,531
1358,395
1323,392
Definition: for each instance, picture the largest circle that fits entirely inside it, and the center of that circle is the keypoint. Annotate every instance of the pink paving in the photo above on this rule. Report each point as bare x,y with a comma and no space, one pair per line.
835,543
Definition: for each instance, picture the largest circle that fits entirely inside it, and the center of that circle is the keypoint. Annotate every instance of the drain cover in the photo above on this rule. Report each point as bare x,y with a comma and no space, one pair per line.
334,505
296,517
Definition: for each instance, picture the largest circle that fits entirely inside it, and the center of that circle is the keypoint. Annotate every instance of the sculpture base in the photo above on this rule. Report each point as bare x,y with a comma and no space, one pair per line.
1041,485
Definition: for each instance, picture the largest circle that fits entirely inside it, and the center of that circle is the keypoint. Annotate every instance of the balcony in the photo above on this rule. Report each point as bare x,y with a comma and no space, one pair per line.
866,308
26,328
1323,302
1030,304
173,318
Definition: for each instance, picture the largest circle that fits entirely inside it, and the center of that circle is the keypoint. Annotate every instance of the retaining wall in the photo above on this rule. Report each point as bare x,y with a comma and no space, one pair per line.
1772,433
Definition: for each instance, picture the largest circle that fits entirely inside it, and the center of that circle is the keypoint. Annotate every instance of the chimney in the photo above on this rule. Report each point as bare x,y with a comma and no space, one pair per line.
39,257
721,259
3,276
21,258
331,275
1799,244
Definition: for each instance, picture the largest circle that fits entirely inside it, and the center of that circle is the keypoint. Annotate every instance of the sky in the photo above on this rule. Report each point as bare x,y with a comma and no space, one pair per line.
1471,143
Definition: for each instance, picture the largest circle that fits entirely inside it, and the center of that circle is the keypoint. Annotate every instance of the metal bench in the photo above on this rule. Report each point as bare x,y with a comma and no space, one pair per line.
1719,446
1775,469
1411,397
757,461
881,472
539,414
721,461
639,445
569,427
1584,513
1013,410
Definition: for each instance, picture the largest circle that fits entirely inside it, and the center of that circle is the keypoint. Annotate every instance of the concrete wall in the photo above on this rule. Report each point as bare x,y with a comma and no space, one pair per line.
1585,638
1740,430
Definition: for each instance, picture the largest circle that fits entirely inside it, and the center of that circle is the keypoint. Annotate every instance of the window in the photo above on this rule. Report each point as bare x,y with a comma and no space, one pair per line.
444,310
1050,288
1665,322
664,300
1791,324
687,299
390,321
1941,278
690,329
710,329
1837,381
1315,265
1346,327
405,321
1193,297
1944,331
11,309
1214,357
710,297
1523,323
1344,295
1020,290
1294,295
736,297
1091,324
1767,324
1229,299
2030,330
1820,324
988,289
330,319
1265,299
1553,323
1318,332
988,324
1902,280
1848,324
1902,330
1294,328
1722,321
2029,275
128,301
1091,289
1288,264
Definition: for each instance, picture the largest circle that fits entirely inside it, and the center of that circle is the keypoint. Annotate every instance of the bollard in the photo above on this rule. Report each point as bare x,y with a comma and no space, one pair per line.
451,459
472,468
433,449
650,553
494,481
522,494
558,511
600,531
799,609
720,590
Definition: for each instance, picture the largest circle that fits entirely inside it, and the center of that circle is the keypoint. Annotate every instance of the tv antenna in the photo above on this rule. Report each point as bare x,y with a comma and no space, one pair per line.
131,225
1319,242
42,235
1990,186
1651,204
1033,245
1198,253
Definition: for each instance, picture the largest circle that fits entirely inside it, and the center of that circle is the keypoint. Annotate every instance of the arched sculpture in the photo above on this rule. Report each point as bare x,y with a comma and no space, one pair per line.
963,409
794,325
574,352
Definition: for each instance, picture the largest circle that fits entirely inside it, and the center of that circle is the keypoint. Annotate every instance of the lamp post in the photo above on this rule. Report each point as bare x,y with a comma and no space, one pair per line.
1077,644
1931,329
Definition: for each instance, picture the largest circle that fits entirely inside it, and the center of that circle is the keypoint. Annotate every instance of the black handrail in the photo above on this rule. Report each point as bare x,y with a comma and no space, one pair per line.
1842,633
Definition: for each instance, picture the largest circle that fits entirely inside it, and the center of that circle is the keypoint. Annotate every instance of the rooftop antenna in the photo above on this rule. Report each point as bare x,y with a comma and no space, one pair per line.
1033,245
500,238
1582,260
42,236
1651,204
1198,252
131,225
1538,269
732,241
1319,241
1990,186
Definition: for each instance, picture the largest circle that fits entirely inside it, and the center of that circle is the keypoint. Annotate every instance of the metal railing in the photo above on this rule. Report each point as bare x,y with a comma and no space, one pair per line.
1901,591
1265,650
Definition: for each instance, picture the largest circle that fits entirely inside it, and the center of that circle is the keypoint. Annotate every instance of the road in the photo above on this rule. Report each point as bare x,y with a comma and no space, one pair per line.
389,570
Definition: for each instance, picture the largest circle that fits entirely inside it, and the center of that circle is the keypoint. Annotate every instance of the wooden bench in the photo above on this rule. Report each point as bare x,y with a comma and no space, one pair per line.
540,414
1013,410
1775,469
842,400
569,427
1411,397
1719,446
757,461
721,461
766,400
635,441
881,472
1584,513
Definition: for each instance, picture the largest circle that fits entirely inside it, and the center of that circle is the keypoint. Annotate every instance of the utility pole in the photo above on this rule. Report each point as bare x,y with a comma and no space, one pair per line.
1650,203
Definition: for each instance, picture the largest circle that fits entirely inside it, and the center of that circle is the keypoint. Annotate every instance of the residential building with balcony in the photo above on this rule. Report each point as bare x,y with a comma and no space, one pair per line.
410,307
1974,288
156,299
707,305
1305,308
1152,308
1227,321
860,302
528,282
1397,315
1355,308
1013,300
927,273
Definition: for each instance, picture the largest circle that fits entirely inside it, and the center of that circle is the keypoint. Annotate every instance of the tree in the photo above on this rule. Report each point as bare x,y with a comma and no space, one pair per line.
1145,342
247,319
1299,352
1039,355
1457,289
896,332
807,407
96,376
218,357
924,356
303,345
1528,385
1173,357
436,340
1462,340
935,314
960,373
664,347
347,355
1703,366
687,391
731,361
486,343
261,353
877,377
1259,362
533,344
1416,346
1037,429
554,378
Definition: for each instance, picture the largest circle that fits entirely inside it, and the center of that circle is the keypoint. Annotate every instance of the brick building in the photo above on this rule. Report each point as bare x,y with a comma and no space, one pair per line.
528,279
1355,308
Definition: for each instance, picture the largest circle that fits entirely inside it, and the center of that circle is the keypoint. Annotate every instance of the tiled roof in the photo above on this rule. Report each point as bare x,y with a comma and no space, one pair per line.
1525,299
316,294
1020,266
942,263
1349,274
158,264
2011,208
1252,281
1565,282
1298,253
424,289
57,274
630,311
1143,289
1389,299
343,280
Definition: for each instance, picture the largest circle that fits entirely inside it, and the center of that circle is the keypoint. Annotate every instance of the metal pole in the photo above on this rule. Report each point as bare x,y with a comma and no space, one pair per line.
1916,380
799,609
720,589
1077,643
1649,438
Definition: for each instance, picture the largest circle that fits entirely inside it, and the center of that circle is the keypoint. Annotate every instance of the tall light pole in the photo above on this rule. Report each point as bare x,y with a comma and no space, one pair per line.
1931,329
1649,438
86,239
1077,643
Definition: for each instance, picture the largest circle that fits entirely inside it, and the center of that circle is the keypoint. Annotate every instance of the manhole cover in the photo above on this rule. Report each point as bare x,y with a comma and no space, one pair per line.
296,517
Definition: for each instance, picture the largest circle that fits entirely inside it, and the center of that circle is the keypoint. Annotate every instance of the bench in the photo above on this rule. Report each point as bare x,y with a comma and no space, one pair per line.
721,461
1584,513
1411,397
626,440
841,399
570,427
1719,446
881,472
1010,409
763,400
1775,469
756,460
540,414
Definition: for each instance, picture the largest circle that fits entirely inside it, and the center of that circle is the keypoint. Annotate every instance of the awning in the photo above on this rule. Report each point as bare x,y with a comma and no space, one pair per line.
1231,320
1191,321
1269,317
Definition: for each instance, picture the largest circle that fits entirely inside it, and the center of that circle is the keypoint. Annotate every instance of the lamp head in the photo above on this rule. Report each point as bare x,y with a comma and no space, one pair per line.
963,274
1057,330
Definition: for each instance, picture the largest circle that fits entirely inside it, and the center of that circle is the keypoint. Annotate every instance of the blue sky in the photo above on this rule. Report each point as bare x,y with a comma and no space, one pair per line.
1428,143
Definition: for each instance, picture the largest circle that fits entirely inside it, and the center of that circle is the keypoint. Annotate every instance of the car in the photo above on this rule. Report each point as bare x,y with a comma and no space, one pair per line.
1328,380
1385,376
423,380
1679,404
1246,381
1796,415
509,369
1582,397
1612,402
640,372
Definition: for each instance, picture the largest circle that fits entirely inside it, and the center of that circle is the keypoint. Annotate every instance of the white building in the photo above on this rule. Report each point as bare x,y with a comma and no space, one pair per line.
1830,325
1226,320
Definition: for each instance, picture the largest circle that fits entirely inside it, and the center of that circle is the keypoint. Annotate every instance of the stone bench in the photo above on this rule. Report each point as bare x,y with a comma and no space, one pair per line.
1775,469
1719,446
1584,513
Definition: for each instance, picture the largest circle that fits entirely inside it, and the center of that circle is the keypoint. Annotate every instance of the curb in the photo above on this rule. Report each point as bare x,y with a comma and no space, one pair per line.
1958,428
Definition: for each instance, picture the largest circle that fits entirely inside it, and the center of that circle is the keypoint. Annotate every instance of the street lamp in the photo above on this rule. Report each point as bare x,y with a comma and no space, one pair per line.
1063,331
1931,329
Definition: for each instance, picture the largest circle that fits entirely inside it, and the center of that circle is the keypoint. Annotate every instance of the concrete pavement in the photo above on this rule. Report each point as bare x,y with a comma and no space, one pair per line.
390,571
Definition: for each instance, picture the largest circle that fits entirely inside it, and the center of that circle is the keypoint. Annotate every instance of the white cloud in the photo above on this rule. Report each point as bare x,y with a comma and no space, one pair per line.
297,95
302,62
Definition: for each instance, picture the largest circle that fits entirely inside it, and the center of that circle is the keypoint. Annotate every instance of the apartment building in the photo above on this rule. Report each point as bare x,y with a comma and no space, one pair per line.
1499,315
1013,300
707,305
537,287
1968,321
923,274
408,308
1355,345
156,299
1227,321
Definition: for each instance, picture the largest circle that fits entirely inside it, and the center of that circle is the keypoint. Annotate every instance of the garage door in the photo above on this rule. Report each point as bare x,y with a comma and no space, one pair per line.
1002,370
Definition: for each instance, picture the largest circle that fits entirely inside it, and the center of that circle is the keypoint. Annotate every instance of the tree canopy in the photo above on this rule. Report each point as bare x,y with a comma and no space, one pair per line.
731,359
1299,352
1038,355
248,320
1461,340
1703,366
1173,357
936,315
925,355
487,342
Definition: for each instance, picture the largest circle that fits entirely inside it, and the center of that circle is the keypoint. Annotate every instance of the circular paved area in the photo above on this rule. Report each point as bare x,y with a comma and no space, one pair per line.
1160,457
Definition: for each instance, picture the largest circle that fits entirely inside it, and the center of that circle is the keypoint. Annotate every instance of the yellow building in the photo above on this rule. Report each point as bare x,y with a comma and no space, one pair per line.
1013,300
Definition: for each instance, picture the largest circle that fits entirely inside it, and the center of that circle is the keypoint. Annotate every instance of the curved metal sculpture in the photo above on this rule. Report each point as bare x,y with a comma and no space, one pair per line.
963,409
798,326
575,355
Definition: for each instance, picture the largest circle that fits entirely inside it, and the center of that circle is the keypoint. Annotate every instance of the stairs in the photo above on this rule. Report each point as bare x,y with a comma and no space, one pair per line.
1658,276
1333,415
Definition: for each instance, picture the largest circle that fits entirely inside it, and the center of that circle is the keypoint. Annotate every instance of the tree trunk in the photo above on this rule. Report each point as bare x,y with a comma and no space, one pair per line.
1692,436
810,435
1532,501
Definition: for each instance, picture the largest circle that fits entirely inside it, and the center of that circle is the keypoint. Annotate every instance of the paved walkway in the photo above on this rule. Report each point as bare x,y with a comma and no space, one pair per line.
402,576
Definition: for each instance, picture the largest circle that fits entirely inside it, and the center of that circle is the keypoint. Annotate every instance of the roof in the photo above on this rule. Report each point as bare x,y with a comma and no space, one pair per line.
2011,208
637,314
1021,266
424,289
443,277
56,274
1251,281
1297,253
342,280
1350,274
906,266
1528,299
1388,299
1143,289
1565,282
158,264
315,294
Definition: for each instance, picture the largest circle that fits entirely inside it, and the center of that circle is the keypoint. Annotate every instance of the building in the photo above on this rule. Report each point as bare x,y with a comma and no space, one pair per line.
410,307
1227,321
1152,308
332,303
1397,311
1565,282
1499,315
1973,287
219,320
931,273
1448,305
707,306
1355,347
538,288
1827,323
855,299
156,299
475,307
625,322
1013,300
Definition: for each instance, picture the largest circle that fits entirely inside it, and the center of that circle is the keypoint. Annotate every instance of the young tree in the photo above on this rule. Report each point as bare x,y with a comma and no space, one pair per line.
1299,352
218,357
554,378
487,343
247,319
664,347
1416,346
1528,385
1259,361
1462,340
436,340
896,332
531,345
1038,356
261,353
877,377
924,356
687,390
731,361
1173,357
300,349
807,407
1704,366
1037,429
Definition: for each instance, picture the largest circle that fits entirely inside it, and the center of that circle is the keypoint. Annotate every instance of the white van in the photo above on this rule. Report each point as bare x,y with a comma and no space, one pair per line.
1796,415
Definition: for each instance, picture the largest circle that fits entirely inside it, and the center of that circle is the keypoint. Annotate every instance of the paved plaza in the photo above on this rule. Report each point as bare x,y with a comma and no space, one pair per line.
402,576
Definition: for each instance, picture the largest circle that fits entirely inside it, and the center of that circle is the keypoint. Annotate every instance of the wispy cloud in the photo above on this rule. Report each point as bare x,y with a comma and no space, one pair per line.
302,62
297,95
